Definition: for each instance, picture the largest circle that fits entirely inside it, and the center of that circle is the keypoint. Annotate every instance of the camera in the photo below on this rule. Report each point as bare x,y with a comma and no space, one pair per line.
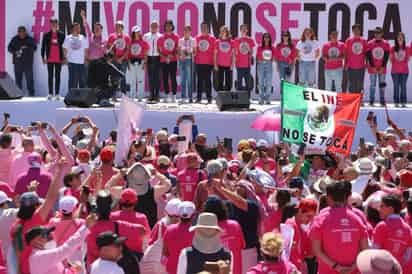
6,115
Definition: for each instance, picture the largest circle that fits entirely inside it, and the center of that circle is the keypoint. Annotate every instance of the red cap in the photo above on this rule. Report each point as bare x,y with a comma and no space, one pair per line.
307,205
128,196
83,153
405,177
106,155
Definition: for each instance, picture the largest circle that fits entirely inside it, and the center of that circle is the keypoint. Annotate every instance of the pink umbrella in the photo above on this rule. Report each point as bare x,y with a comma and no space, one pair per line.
267,122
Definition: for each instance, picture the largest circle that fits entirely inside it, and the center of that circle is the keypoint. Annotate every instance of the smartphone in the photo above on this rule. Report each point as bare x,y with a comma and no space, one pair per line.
82,120
409,156
6,115
181,138
86,190
397,154
144,133
410,133
212,267
283,161
361,141
228,143
301,149
165,129
33,128
44,125
187,117
370,116
375,120
34,124
149,131
387,164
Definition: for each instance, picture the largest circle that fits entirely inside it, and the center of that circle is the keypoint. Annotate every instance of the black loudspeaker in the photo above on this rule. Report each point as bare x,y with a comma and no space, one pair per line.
8,88
227,100
81,97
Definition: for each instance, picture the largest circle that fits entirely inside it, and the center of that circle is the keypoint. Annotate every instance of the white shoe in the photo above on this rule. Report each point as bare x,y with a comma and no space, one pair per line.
173,98
57,97
49,97
165,100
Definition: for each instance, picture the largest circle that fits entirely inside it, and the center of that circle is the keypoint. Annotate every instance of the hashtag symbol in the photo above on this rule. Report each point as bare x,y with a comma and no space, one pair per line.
42,14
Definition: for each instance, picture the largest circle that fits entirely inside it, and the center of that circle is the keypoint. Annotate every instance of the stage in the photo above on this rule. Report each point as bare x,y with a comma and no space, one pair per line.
232,124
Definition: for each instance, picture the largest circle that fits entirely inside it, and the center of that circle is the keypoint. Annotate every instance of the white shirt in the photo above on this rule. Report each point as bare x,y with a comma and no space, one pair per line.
151,39
307,50
187,45
101,266
75,46
7,219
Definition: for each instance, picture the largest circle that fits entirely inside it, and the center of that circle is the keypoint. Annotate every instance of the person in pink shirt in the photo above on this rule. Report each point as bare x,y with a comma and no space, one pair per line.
204,60
271,221
378,57
286,54
6,156
133,232
128,200
271,247
264,58
137,63
355,56
97,44
337,235
177,236
43,260
301,247
232,236
119,44
19,163
52,55
224,59
333,55
244,46
399,56
393,233
167,46
189,178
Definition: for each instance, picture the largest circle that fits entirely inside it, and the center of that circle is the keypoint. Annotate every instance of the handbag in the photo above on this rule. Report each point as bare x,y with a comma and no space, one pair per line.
150,262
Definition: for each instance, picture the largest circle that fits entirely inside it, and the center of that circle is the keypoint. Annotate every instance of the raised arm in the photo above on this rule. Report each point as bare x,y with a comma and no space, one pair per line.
46,142
162,187
238,201
62,147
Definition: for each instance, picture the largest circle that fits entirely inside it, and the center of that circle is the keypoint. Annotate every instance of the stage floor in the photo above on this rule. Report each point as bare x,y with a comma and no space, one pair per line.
233,124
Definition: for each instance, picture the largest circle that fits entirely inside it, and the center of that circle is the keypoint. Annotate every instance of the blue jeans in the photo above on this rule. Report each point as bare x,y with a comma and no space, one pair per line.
283,68
333,75
307,73
373,78
186,77
399,87
265,72
243,76
77,76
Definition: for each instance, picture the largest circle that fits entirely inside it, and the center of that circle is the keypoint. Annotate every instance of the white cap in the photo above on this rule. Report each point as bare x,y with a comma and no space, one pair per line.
136,29
67,204
262,143
120,22
186,209
77,170
4,198
172,207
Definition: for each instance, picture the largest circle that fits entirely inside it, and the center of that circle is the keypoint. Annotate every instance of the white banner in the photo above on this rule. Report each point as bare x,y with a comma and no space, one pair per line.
262,16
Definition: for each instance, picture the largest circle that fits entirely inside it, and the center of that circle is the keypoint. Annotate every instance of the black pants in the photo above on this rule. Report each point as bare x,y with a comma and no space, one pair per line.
204,82
21,69
54,70
153,71
169,72
225,79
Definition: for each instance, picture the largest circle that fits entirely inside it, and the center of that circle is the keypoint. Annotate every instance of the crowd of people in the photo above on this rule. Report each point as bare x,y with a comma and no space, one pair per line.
197,58
65,207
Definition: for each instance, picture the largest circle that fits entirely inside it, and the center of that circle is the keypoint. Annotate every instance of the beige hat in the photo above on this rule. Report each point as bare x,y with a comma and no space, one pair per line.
206,220
365,166
321,184
374,261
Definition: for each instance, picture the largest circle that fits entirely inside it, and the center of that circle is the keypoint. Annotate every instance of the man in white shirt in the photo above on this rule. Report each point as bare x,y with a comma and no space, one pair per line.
110,251
7,219
153,61
75,53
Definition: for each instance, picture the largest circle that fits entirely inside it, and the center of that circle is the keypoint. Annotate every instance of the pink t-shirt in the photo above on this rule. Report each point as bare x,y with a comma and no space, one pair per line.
6,156
176,238
282,267
334,51
128,230
340,232
224,52
188,180
155,231
167,45
205,49
271,222
378,48
301,247
394,235
54,55
400,59
133,218
268,165
138,49
64,229
232,238
355,48
120,43
265,54
244,50
284,53
18,166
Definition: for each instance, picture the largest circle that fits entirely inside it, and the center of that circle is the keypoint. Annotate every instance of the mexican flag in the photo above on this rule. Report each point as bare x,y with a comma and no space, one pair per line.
323,120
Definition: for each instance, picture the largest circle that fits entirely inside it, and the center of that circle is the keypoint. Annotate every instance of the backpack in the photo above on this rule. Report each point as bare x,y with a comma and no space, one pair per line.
129,261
